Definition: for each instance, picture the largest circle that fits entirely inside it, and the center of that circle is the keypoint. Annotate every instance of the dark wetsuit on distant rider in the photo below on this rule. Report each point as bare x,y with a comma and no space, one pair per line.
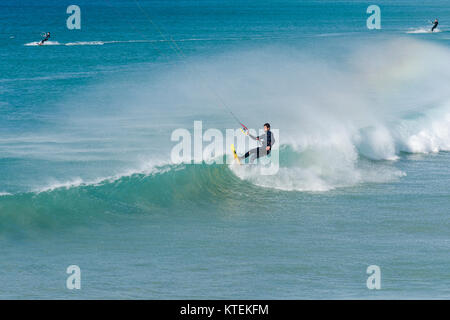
267,141
435,24
47,36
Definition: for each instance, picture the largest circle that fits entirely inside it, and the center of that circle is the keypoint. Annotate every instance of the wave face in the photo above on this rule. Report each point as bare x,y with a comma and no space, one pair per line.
345,120
175,187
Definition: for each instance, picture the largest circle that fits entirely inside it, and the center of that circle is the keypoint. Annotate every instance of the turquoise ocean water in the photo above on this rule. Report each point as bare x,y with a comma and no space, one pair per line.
86,176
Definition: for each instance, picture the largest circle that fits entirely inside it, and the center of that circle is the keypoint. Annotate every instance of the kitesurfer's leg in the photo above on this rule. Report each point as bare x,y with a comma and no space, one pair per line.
251,153
259,152
255,154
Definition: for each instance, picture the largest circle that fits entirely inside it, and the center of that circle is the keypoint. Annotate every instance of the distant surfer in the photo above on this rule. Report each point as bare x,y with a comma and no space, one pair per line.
435,24
46,37
267,141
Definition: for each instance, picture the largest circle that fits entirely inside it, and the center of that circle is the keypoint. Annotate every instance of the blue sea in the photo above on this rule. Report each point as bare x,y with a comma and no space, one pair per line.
87,178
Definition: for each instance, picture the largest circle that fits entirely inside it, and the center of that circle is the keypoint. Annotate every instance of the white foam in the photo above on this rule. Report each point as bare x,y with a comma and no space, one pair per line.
85,43
430,136
423,30
101,42
320,170
46,43
147,168
390,97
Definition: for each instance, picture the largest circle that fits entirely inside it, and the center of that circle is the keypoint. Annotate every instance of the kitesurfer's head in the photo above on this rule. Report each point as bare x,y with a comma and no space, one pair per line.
266,126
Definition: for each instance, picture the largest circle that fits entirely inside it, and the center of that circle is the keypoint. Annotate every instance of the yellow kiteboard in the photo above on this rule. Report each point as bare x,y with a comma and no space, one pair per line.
235,154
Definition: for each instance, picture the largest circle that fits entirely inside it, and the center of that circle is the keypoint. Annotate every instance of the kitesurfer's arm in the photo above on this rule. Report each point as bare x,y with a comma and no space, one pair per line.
252,136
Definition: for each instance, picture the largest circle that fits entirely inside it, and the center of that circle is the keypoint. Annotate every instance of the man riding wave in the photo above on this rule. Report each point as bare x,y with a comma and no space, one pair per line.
267,140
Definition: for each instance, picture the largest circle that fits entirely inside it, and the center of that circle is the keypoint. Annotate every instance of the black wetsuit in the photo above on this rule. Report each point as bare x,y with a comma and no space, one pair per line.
267,140
45,39
435,24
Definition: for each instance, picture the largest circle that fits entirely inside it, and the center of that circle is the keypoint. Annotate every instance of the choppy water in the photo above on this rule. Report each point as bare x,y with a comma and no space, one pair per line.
86,176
